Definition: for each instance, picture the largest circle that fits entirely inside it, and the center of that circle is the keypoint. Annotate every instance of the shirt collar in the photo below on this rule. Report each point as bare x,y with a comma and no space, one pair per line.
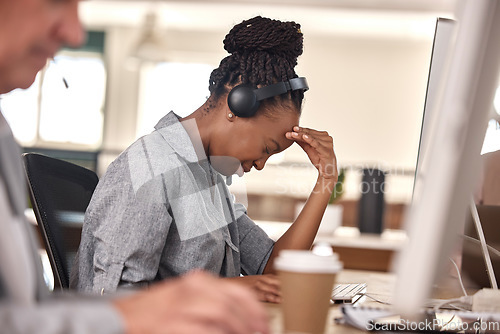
176,135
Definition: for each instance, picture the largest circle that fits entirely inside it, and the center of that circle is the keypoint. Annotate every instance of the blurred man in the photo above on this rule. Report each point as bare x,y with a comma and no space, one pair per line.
31,31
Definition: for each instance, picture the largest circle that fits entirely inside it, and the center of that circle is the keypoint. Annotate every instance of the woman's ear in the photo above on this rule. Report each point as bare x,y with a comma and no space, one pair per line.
230,116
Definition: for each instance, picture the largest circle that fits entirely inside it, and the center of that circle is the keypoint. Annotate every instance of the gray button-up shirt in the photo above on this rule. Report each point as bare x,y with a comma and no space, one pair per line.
162,210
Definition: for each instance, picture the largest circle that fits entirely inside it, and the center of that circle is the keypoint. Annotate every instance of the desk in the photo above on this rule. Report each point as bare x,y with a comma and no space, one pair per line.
379,285
365,251
357,251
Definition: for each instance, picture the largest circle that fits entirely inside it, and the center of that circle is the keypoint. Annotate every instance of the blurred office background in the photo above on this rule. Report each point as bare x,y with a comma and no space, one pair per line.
366,62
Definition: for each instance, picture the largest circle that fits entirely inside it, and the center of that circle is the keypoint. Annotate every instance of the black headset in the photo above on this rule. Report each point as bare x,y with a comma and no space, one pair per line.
244,100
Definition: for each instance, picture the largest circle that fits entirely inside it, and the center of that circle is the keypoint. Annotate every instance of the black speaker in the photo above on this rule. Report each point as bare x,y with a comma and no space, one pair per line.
371,205
244,100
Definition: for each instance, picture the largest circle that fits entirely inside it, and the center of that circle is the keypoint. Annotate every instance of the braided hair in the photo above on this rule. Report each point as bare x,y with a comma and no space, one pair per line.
262,51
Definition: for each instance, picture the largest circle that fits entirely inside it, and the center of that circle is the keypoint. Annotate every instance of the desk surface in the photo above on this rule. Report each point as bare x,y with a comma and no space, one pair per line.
379,286
391,240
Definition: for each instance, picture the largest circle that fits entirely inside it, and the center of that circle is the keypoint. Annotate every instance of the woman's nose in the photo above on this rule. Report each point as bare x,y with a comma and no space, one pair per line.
259,164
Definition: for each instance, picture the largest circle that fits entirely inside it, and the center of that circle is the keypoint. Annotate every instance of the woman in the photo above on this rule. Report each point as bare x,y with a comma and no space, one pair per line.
163,207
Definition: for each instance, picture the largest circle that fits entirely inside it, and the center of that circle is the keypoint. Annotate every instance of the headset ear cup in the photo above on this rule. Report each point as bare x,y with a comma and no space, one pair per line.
242,101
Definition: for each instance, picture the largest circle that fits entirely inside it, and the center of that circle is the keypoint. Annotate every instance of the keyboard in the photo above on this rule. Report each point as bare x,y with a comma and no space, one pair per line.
348,293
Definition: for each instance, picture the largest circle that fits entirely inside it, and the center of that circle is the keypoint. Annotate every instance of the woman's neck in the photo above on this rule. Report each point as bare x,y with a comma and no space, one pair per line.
206,122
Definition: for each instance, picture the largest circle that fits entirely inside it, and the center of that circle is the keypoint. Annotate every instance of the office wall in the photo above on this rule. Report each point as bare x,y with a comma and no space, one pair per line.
369,94
367,91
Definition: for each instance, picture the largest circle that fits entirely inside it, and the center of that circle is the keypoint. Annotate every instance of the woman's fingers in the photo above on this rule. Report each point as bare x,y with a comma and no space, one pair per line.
320,141
312,132
303,137
268,297
318,145
322,146
268,284
266,287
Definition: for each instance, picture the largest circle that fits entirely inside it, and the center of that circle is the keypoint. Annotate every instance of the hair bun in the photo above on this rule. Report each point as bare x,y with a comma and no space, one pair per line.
263,34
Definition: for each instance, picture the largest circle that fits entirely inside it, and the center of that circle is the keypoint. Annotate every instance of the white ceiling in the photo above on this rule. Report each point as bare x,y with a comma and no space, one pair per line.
393,18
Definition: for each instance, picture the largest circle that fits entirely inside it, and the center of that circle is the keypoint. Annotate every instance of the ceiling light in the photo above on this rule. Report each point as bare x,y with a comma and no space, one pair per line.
151,46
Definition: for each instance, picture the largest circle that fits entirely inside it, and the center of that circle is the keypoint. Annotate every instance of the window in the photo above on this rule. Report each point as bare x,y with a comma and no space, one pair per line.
181,87
73,114
492,138
20,108
64,106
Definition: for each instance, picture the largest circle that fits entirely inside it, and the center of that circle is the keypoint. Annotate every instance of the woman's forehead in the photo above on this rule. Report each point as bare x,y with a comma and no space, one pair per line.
275,128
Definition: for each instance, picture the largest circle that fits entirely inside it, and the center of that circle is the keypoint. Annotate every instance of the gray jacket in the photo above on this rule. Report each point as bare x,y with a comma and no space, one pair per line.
26,305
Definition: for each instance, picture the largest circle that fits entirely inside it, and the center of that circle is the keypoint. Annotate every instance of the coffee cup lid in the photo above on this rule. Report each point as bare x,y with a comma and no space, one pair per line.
308,262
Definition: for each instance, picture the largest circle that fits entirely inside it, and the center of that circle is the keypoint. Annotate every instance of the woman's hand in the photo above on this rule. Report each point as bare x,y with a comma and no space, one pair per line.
267,287
319,148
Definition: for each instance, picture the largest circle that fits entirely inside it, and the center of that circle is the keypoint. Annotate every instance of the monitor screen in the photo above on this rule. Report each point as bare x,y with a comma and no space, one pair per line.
440,203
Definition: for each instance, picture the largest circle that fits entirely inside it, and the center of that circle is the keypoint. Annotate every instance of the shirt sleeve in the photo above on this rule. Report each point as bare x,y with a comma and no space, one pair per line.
72,316
255,246
124,232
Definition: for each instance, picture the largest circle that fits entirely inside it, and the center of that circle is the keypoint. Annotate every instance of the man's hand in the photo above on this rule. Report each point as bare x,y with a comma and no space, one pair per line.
195,303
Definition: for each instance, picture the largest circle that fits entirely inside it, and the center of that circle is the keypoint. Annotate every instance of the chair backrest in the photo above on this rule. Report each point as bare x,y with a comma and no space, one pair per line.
60,193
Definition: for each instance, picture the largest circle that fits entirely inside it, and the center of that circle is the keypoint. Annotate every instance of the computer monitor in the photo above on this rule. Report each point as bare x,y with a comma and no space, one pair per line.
438,210
442,42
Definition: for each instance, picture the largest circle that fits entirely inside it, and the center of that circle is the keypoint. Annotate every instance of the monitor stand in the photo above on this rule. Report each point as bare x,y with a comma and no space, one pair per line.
484,246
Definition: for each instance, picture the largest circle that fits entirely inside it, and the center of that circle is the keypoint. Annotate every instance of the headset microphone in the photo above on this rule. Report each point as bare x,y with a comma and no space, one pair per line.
244,100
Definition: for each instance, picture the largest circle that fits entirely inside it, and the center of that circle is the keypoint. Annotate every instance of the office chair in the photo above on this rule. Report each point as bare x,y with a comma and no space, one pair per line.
60,193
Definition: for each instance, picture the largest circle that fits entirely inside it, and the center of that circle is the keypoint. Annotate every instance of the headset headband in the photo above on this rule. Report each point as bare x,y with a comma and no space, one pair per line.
281,88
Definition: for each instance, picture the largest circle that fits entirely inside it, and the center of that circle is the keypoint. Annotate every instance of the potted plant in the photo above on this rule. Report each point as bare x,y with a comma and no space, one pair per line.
332,218
339,188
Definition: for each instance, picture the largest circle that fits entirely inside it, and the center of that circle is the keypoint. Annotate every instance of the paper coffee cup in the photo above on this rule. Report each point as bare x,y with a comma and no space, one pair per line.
307,282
